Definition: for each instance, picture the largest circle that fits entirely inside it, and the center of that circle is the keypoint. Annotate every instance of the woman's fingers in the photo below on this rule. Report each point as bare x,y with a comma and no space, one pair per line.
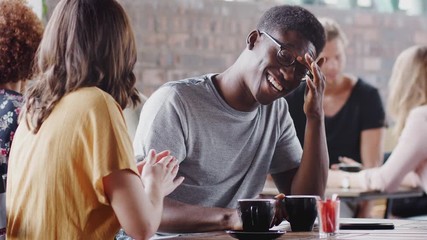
170,165
140,166
162,154
335,166
348,160
178,181
175,168
151,158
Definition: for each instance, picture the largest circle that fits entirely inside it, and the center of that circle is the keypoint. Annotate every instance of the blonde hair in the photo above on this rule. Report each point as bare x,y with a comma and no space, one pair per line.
407,85
86,43
333,30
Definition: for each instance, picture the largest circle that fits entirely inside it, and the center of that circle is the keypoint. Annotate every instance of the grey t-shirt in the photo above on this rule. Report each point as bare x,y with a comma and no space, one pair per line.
225,154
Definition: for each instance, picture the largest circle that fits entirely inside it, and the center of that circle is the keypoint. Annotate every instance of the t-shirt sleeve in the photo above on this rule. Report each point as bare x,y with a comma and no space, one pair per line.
372,110
162,125
107,144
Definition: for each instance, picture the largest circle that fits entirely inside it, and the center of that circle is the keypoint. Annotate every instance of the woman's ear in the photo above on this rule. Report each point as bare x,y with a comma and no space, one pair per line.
251,39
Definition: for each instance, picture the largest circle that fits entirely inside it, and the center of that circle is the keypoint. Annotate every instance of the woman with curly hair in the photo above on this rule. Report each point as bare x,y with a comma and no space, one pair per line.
20,35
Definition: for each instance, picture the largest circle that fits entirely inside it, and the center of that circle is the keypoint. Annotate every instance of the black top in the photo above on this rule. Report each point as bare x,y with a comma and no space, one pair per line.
363,110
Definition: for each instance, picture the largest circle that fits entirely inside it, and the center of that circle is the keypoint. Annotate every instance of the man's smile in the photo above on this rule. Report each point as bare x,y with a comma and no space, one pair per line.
274,83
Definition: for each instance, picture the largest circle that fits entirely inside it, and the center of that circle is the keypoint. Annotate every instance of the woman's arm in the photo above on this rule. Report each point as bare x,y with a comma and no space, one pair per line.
137,211
138,201
409,154
372,147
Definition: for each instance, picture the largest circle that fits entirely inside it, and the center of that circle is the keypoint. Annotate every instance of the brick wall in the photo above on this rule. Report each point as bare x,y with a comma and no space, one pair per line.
180,38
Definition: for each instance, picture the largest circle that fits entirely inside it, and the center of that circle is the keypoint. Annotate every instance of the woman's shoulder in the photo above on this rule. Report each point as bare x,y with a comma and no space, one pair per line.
416,124
419,112
89,95
365,86
366,92
10,94
89,99
10,100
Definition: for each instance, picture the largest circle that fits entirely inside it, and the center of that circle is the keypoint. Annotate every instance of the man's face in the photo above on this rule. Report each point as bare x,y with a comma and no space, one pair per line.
279,72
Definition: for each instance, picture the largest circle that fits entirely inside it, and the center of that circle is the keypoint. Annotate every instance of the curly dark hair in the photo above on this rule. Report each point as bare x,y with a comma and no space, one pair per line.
294,18
20,35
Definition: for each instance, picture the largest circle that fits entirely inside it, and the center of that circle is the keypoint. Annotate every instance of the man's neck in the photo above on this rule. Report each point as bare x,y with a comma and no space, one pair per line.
234,91
339,86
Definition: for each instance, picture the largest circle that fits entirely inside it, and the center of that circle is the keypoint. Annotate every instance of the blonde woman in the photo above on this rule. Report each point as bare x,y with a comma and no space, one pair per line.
72,168
354,114
407,105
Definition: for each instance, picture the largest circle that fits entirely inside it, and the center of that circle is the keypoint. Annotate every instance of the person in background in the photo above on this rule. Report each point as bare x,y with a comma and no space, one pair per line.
354,114
72,169
20,35
407,105
229,130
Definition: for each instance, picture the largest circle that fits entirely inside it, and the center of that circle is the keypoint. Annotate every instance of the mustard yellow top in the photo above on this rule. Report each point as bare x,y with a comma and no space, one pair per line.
54,187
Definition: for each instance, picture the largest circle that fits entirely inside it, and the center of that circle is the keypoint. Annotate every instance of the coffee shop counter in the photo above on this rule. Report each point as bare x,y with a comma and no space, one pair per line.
403,229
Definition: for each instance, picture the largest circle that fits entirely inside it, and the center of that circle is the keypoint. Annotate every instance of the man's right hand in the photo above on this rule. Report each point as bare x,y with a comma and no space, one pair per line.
280,213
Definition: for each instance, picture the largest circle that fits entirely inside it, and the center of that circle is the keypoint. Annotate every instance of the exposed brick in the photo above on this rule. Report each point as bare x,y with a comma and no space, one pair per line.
420,37
182,38
372,64
153,77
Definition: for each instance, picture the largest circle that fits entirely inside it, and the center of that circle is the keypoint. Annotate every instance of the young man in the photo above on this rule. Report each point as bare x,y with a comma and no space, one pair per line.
229,130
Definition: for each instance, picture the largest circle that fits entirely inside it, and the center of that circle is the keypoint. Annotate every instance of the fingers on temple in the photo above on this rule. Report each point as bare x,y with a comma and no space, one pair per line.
321,61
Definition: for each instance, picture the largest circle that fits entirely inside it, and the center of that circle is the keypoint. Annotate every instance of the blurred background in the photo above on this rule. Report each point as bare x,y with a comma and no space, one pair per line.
182,38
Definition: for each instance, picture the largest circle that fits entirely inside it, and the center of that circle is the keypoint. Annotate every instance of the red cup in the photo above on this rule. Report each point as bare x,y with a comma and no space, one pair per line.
328,213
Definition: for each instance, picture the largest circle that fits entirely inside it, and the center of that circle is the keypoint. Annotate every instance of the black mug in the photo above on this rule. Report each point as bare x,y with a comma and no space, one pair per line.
256,214
301,211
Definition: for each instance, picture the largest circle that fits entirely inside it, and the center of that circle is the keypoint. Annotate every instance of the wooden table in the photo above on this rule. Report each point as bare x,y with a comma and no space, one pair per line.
404,229
356,195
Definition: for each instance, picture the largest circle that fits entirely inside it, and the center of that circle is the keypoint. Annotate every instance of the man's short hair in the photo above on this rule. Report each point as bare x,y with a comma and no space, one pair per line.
294,18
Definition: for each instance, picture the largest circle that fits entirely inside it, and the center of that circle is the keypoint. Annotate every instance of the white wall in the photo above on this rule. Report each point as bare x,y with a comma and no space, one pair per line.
37,7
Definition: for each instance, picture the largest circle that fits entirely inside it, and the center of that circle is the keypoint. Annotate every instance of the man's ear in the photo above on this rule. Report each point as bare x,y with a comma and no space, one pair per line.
251,39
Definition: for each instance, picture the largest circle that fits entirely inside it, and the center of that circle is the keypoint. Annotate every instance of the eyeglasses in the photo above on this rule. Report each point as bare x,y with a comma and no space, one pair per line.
286,56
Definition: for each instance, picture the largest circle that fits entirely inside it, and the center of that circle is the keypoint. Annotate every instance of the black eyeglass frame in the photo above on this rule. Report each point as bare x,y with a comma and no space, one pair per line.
283,47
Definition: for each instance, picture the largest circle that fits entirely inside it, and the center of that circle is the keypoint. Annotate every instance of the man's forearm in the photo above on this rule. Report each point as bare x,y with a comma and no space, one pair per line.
312,174
181,217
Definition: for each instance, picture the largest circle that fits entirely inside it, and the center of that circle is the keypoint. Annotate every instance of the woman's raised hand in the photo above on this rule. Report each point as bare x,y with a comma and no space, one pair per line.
159,170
